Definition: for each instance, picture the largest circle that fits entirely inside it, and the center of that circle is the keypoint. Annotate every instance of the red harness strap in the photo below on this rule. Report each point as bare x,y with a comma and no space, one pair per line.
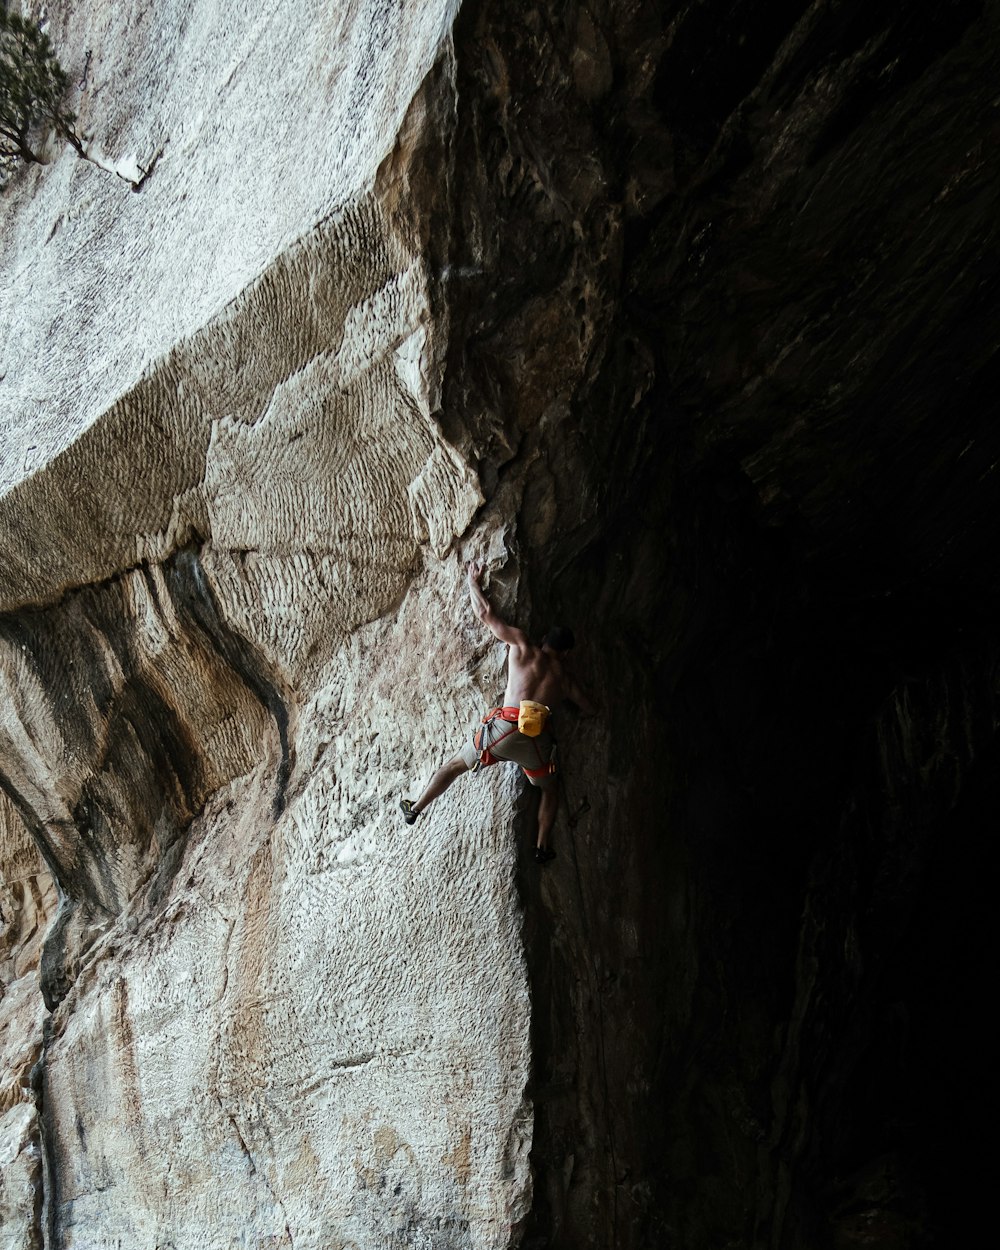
545,771
486,756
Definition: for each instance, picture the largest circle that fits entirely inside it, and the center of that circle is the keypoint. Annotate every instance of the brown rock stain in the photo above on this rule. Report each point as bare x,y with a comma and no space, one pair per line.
124,1037
254,951
386,1143
304,1168
460,1158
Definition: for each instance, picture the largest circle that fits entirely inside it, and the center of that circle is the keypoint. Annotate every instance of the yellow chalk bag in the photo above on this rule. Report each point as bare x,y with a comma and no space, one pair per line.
531,718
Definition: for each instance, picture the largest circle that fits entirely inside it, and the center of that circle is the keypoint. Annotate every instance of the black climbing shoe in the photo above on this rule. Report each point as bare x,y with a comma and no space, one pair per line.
409,815
543,855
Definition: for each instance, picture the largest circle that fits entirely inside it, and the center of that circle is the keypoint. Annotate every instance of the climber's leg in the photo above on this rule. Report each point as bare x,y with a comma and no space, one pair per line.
547,816
437,785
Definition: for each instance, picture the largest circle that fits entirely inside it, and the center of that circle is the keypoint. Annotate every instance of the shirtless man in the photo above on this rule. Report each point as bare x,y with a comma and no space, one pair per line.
533,672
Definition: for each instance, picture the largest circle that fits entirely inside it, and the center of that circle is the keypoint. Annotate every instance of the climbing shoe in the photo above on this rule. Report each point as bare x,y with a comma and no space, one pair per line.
543,855
409,815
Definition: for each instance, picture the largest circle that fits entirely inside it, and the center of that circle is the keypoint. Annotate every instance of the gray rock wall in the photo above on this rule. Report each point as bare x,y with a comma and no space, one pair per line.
265,1011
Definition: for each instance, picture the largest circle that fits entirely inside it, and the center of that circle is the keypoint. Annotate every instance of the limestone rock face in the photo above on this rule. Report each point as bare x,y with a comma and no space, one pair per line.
682,314
265,1011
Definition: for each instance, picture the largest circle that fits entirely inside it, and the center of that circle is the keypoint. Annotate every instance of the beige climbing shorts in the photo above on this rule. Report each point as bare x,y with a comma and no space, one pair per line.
502,742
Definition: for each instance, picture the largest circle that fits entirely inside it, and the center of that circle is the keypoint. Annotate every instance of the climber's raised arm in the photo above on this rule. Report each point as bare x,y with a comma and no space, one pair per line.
484,610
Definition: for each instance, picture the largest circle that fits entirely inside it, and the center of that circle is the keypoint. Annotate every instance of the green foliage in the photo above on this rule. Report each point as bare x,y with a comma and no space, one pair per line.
32,86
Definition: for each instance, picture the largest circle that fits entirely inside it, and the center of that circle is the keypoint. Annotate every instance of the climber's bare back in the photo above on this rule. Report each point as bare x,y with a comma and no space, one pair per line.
533,673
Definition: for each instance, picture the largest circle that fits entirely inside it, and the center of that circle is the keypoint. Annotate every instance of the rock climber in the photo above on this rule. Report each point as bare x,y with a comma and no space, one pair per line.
518,732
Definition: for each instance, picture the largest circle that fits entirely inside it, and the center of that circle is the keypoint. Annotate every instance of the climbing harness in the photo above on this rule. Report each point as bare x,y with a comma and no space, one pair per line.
479,741
513,715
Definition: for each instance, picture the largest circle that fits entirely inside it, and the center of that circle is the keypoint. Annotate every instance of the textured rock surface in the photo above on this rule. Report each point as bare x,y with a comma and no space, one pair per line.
227,519
685,315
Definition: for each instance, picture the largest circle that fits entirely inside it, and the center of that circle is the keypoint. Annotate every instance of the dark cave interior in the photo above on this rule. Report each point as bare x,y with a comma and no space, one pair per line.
760,979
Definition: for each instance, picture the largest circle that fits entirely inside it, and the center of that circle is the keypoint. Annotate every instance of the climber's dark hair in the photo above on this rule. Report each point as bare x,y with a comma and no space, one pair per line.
559,638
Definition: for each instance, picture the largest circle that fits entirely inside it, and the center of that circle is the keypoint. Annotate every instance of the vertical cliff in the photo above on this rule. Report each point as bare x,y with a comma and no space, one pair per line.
683,316
261,1013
